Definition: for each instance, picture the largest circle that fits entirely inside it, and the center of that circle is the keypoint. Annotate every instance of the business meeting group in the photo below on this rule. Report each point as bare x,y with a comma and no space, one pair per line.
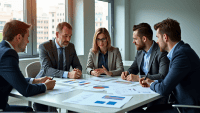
168,66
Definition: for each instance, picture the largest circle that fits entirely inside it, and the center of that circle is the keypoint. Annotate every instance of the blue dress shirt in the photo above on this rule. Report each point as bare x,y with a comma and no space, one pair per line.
65,74
169,55
103,60
146,58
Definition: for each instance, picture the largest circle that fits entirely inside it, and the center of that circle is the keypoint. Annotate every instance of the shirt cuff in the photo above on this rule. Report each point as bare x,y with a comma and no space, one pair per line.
151,83
65,74
31,81
45,86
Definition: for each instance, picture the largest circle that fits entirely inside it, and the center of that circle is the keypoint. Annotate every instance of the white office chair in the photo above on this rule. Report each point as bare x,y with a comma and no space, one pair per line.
32,70
177,106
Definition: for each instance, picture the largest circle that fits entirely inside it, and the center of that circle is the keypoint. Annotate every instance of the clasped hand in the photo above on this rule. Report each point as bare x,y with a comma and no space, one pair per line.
75,73
100,71
145,83
47,81
130,77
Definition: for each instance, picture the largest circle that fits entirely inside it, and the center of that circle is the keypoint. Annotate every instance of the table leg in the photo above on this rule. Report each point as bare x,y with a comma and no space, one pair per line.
29,103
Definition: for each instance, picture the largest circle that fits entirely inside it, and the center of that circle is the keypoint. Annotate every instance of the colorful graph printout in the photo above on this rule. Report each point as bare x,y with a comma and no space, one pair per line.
99,99
111,103
100,87
113,97
99,102
77,82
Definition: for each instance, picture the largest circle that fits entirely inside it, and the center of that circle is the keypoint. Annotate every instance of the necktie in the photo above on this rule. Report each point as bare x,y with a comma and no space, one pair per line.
61,59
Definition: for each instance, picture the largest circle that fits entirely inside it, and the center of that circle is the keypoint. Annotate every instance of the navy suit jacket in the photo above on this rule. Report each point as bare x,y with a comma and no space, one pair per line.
183,77
11,76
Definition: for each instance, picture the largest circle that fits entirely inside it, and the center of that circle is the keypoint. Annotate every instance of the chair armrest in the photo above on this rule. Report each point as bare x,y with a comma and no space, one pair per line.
185,106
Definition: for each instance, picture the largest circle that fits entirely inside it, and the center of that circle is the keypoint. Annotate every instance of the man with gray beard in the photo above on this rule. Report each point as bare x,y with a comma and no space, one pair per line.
57,55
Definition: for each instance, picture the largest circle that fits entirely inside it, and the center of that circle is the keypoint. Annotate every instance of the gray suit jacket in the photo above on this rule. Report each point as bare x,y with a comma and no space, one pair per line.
115,64
49,59
158,64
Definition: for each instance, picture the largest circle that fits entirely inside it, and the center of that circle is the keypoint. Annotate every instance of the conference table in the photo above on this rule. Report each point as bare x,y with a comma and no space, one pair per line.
56,100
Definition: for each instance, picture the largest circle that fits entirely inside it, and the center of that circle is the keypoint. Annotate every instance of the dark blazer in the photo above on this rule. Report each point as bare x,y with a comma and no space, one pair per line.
158,64
11,76
115,64
49,59
183,77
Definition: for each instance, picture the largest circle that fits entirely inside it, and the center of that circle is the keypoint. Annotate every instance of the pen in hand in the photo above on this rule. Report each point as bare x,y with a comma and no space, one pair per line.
146,76
52,77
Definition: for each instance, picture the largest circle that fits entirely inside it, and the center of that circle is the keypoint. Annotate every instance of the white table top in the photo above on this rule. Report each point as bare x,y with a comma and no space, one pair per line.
56,101
127,63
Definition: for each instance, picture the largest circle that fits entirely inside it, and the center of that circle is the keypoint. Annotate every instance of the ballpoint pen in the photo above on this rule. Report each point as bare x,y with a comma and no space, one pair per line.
52,77
146,76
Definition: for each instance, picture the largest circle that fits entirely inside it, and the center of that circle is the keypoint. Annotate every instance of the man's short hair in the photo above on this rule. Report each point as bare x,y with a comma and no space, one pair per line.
171,28
61,25
144,29
13,28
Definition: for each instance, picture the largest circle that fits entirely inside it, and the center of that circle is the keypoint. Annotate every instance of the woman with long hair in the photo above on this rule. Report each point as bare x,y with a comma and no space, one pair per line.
103,58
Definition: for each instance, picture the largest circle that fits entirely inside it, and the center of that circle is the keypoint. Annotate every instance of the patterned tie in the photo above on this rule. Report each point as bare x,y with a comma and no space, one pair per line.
61,59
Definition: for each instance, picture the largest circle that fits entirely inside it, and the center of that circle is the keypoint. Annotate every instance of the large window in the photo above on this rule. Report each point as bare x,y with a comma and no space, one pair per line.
10,9
101,11
104,15
46,16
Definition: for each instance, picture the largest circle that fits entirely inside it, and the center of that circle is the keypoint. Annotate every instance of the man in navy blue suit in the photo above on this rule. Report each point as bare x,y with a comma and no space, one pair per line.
15,39
183,76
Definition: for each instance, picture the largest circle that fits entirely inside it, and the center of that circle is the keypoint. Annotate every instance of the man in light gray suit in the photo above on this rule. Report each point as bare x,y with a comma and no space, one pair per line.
149,60
56,57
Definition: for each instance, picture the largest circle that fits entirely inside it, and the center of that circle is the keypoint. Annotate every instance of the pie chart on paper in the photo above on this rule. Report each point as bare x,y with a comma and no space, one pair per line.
100,87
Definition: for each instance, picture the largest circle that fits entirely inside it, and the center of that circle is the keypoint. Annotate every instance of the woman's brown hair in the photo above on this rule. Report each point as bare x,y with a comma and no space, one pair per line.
95,47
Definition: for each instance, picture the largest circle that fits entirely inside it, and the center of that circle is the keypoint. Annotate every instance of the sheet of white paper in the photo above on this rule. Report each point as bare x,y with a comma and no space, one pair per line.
131,90
120,82
99,99
60,89
102,78
97,87
78,82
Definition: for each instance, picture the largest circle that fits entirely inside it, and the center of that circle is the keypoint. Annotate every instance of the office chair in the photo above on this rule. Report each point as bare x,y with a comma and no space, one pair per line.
32,70
177,106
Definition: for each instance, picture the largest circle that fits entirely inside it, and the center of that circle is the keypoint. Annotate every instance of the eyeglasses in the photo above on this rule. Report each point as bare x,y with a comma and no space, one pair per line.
103,40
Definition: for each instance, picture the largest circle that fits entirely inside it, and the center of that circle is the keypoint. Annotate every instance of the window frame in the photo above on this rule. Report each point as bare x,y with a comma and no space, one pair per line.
110,18
29,12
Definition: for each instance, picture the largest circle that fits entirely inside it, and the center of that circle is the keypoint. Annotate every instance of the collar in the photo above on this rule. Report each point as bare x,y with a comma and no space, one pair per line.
169,55
150,50
10,44
57,46
102,53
